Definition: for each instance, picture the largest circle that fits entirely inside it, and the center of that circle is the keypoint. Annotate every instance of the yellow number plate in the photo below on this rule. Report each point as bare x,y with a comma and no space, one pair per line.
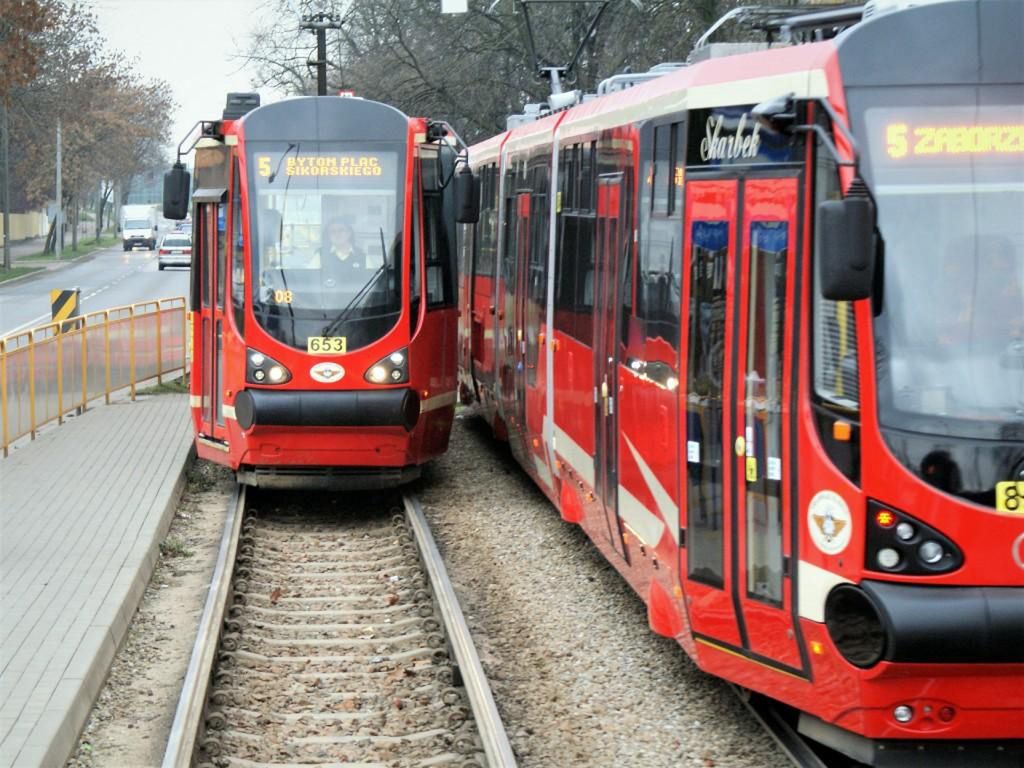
326,345
1010,497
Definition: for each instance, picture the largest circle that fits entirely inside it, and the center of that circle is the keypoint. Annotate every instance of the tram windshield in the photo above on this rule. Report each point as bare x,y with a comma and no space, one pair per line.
326,243
949,184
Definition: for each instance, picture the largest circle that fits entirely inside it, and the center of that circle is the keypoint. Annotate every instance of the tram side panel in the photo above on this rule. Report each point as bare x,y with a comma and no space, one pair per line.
741,535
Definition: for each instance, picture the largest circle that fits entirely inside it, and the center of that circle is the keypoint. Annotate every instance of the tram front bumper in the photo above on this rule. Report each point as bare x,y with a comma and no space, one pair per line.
325,408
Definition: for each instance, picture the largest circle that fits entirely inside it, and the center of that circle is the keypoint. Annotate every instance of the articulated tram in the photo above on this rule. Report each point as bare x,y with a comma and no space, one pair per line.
323,291
757,325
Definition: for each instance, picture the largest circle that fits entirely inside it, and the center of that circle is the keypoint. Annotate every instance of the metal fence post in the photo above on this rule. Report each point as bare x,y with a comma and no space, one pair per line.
32,383
106,356
3,392
85,365
159,345
131,348
60,375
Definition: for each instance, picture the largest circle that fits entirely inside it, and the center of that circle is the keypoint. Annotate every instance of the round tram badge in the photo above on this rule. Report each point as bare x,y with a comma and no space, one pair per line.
325,373
829,523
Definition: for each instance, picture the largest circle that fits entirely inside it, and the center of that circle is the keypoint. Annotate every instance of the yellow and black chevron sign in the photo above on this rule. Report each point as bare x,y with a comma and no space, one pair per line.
64,304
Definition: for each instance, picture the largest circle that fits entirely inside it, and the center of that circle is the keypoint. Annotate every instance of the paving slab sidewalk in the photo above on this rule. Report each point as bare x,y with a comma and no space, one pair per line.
83,510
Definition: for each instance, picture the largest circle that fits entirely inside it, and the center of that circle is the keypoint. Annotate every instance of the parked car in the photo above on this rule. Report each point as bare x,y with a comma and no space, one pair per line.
175,251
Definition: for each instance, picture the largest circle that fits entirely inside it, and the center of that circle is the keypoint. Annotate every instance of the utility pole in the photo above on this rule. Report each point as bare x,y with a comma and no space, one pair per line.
5,199
318,24
58,231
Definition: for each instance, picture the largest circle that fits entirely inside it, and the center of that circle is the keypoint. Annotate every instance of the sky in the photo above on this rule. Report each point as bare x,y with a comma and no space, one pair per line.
188,43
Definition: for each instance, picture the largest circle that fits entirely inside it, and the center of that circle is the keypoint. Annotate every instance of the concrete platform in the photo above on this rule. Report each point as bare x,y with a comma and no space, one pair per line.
82,512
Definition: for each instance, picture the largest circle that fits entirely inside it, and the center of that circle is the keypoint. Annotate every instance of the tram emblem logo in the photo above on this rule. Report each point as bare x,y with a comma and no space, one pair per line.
715,146
829,523
1017,550
325,373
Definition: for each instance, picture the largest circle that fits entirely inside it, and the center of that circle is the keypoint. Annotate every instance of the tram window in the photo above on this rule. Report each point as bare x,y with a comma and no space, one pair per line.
440,290
768,243
675,203
659,281
661,181
568,178
487,229
237,254
587,176
222,253
704,407
204,253
574,285
835,332
538,235
416,254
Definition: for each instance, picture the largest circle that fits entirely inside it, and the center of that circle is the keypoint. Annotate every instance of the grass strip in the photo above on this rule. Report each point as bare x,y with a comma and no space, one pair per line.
83,249
13,272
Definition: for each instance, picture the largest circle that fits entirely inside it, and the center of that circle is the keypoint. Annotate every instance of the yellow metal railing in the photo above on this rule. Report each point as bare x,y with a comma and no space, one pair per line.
59,368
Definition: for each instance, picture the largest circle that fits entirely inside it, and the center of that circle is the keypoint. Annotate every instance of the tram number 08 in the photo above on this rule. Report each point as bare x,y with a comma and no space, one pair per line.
1010,497
283,297
326,345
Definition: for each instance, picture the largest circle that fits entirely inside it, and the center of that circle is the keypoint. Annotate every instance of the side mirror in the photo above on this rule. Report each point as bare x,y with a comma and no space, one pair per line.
467,197
176,189
846,248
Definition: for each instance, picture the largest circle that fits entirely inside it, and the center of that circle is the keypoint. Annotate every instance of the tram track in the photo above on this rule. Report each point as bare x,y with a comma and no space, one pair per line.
777,721
331,636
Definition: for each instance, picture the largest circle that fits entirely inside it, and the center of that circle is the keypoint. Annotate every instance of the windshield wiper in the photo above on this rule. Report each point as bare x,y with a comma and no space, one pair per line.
367,287
271,177
344,314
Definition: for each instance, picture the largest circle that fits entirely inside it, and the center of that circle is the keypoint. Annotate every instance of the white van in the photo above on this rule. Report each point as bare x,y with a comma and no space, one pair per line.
138,226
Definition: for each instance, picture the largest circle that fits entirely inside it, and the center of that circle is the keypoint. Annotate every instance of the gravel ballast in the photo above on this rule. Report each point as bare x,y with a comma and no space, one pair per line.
578,676
132,717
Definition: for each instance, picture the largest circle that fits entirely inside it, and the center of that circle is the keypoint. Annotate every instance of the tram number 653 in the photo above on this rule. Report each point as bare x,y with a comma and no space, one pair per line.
326,345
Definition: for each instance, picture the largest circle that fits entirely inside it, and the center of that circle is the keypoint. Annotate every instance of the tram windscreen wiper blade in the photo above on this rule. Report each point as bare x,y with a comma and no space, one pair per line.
355,302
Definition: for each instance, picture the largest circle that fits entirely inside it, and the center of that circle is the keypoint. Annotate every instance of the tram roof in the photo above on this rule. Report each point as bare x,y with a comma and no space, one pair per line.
799,70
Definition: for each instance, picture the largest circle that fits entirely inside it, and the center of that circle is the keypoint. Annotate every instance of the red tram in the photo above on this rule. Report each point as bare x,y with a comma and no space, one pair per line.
323,291
757,325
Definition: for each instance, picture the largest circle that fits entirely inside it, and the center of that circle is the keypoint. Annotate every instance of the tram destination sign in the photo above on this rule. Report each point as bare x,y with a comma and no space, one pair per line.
946,136
305,168
733,136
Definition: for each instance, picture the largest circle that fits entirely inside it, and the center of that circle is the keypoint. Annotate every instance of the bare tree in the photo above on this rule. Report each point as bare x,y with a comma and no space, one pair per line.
472,69
21,24
114,123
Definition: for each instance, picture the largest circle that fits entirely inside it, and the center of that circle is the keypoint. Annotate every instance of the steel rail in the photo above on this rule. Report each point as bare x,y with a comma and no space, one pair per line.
182,740
791,742
489,725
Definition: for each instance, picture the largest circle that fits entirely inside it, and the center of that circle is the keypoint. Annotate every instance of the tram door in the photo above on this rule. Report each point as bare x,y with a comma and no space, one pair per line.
209,283
739,247
519,253
611,239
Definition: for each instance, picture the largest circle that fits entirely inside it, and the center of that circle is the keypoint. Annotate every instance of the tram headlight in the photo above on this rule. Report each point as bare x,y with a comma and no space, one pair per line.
899,543
393,369
903,713
888,558
930,552
261,369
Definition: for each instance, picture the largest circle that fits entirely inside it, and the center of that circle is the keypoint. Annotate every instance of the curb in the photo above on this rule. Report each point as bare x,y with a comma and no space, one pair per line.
56,268
99,647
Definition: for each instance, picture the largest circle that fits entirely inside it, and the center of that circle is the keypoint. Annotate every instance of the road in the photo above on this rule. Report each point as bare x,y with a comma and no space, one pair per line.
110,278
